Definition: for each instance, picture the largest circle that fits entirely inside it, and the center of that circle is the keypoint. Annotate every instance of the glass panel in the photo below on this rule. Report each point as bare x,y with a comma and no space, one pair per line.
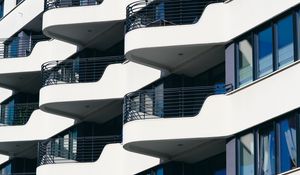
1,8
288,145
285,41
246,155
265,52
267,152
245,61
160,171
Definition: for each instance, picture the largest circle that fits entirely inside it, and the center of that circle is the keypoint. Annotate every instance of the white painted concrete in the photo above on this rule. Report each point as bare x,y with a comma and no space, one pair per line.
8,6
107,11
40,126
219,23
116,82
114,160
43,51
20,16
225,115
4,94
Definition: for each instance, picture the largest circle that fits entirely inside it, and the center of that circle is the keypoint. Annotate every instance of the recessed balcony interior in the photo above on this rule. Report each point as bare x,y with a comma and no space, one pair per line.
81,143
19,166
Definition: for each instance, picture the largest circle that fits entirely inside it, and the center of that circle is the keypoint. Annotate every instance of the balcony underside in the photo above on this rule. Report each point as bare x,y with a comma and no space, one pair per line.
93,110
23,82
219,24
96,26
189,60
102,35
221,116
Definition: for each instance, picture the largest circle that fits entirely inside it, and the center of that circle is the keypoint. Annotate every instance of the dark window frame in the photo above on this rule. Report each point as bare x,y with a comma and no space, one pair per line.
295,13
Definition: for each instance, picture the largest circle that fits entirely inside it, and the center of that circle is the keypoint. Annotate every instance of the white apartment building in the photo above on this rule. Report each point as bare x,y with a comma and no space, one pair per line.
150,87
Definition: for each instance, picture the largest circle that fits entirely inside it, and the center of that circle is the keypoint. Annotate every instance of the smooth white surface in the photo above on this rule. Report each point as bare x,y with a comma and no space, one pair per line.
43,51
8,6
20,16
116,82
114,160
219,24
109,10
40,126
225,115
5,93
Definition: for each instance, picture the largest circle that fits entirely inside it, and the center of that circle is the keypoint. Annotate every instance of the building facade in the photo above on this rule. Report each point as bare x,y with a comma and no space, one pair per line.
150,87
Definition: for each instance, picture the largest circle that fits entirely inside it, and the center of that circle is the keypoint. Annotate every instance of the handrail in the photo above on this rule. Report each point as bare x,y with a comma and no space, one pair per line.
19,46
147,13
77,70
169,102
17,114
52,4
71,150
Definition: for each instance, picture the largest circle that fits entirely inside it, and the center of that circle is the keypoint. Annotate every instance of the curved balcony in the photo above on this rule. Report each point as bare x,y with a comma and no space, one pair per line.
72,150
18,140
21,16
101,26
82,70
143,13
220,117
21,59
113,159
169,103
18,114
52,4
87,92
210,27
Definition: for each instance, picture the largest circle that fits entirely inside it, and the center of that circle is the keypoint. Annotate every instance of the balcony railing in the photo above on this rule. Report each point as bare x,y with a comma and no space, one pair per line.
52,4
146,13
19,46
72,150
17,114
77,70
168,103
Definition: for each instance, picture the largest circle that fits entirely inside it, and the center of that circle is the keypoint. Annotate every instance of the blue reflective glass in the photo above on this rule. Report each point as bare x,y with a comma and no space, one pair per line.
265,52
160,171
245,61
285,41
246,154
220,172
288,145
1,8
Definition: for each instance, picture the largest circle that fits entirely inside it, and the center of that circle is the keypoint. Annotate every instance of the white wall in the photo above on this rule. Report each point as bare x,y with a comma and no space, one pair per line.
43,51
109,10
8,6
5,93
219,24
114,160
20,16
117,80
225,115
40,126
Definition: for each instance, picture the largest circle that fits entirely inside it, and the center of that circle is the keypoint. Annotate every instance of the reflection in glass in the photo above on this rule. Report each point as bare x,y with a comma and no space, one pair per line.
246,158
267,152
265,52
288,145
285,41
245,62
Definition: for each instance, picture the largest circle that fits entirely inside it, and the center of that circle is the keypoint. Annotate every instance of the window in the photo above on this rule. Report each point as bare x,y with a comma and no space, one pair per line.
246,155
267,151
1,8
265,52
287,144
245,61
285,44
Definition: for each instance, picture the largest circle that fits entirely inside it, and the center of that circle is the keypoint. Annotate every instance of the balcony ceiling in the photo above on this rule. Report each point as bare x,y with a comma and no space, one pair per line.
188,60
